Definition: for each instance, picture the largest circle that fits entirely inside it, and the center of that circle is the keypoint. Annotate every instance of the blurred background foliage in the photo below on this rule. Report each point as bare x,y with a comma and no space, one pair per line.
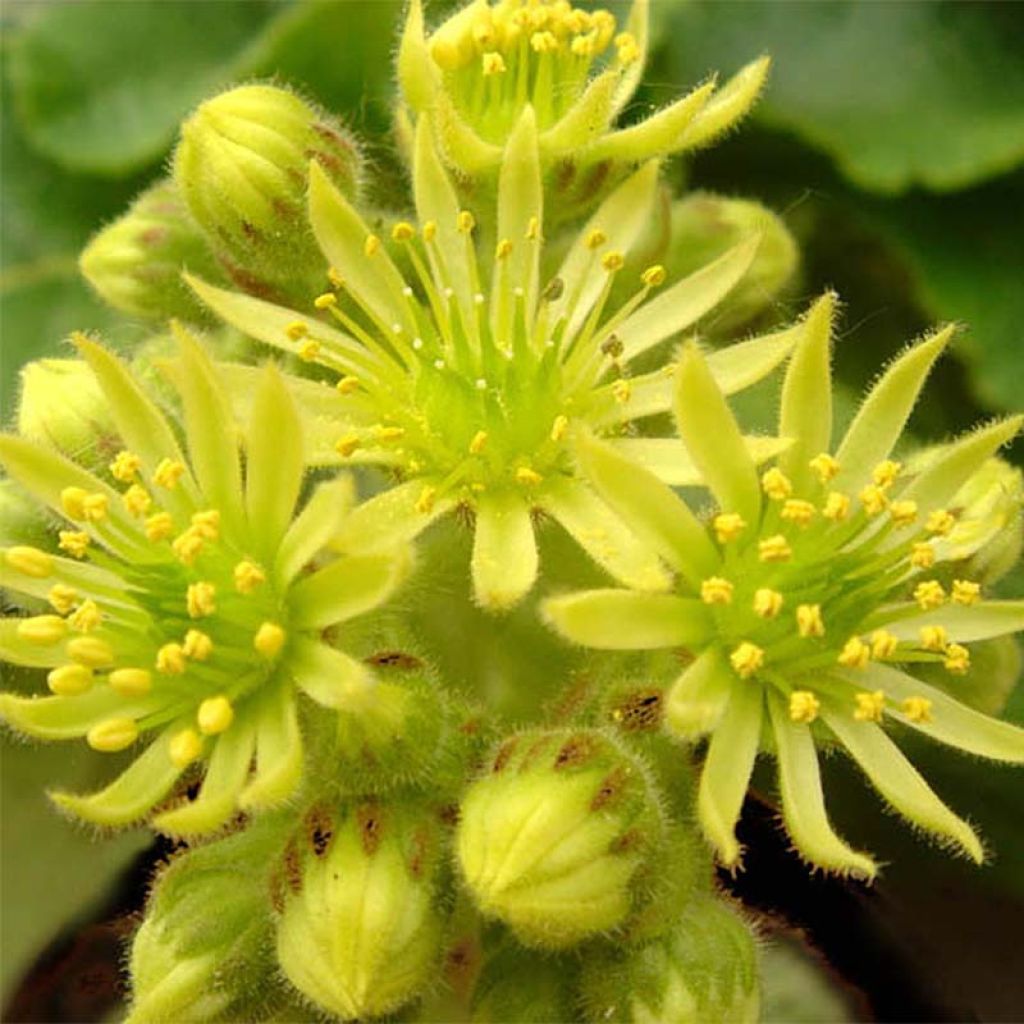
891,140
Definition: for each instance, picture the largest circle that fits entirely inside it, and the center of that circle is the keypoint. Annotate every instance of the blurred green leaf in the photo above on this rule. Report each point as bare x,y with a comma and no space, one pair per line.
897,93
797,987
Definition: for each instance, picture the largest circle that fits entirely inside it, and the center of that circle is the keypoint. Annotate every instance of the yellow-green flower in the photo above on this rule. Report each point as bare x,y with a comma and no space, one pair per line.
808,597
464,372
180,605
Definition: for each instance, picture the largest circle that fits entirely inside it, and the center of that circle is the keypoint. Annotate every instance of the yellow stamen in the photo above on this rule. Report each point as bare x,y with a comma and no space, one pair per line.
325,300
917,709
371,246
798,511
403,231
966,592
654,277
626,49
493,64
184,748
776,484
187,546
137,500
503,250
388,435
346,445
767,603
197,646
934,638
465,222
215,715
940,522
874,500
621,390
112,735
774,549
309,350
269,640
200,599
74,542
86,617
95,507
595,239
869,706
716,590
809,621
69,680
746,659
170,660
613,261
124,466
929,594
346,385
543,42
29,561
207,524
957,660
72,502
62,598
297,329
159,526
248,576
886,472
44,630
883,644
728,526
479,442
559,427
528,477
90,651
803,706
922,555
825,466
168,473
425,502
837,506
855,653
903,512
131,682
429,231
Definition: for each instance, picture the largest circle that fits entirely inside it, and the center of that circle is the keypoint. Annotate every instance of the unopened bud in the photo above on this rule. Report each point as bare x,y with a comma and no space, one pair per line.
520,985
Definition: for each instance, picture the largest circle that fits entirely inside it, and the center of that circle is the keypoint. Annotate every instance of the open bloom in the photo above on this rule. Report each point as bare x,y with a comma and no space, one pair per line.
466,374
808,597
180,605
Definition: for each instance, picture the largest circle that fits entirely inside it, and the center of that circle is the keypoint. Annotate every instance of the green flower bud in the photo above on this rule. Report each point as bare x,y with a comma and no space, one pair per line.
135,263
704,970
359,929
524,986
552,839
21,519
991,526
243,168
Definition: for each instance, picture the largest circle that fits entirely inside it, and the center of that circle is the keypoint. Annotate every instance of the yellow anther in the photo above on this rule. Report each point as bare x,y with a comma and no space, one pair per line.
325,300
187,546
95,507
425,502
776,484
62,598
69,680
622,391
966,592
168,473
503,249
159,526
479,442
855,653
125,466
870,706
559,427
170,659
929,594
940,522
137,500
903,512
248,576
654,277
200,599
825,466
493,64
798,511
533,229
297,329
465,222
207,523
873,499
215,715
584,46
885,472
346,445
29,561
626,48
371,246
613,261
922,555
767,602
883,644
112,735
389,435
774,549
45,630
957,660
72,502
403,231
543,42
184,747
595,239
836,507
528,477
269,640
803,706
131,682
347,385
429,231
335,278
934,638
728,526
809,621
716,590
308,350
746,659
86,617
917,709
90,651
74,542
197,646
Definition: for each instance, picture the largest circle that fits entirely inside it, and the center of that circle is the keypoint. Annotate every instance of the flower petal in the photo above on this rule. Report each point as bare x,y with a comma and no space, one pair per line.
803,802
964,623
388,519
520,199
19,651
736,367
315,525
278,749
65,718
899,782
331,677
417,73
672,464
624,620
85,577
505,558
585,120
638,25
729,104
696,700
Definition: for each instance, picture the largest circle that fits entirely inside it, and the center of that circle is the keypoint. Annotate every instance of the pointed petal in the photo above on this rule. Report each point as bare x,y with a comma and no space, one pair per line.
696,700
131,796
964,623
899,782
347,587
712,436
318,522
85,577
732,102
672,464
727,770
803,802
504,563
417,73
625,620
603,535
461,145
806,406
65,718
585,120
278,750
638,24
737,367
884,413
686,301
19,651
520,199
389,519
331,677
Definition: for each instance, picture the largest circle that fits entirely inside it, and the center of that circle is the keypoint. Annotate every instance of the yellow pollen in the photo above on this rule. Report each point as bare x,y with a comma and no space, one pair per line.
957,660
62,598
137,500
403,231
90,651
200,599
197,646
966,592
45,630
335,278
187,546
746,659
922,556
503,249
767,603
479,442
903,512
493,64
716,590
248,576
559,427
917,709
425,502
883,644
269,640
429,231
869,706
934,638
855,653
837,506
95,507
346,385
613,261
124,466
654,277
207,524
325,300
940,522
543,42
73,542
388,435
803,706
346,445
131,682
72,502
309,350
728,526
596,238
929,594
297,329
86,617
885,472
808,620
584,46
29,561
873,499
112,735
528,477
159,526
184,748
825,466
774,549
798,511
465,222
626,48
776,484
168,473
371,246
215,715
69,680
170,660
621,390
